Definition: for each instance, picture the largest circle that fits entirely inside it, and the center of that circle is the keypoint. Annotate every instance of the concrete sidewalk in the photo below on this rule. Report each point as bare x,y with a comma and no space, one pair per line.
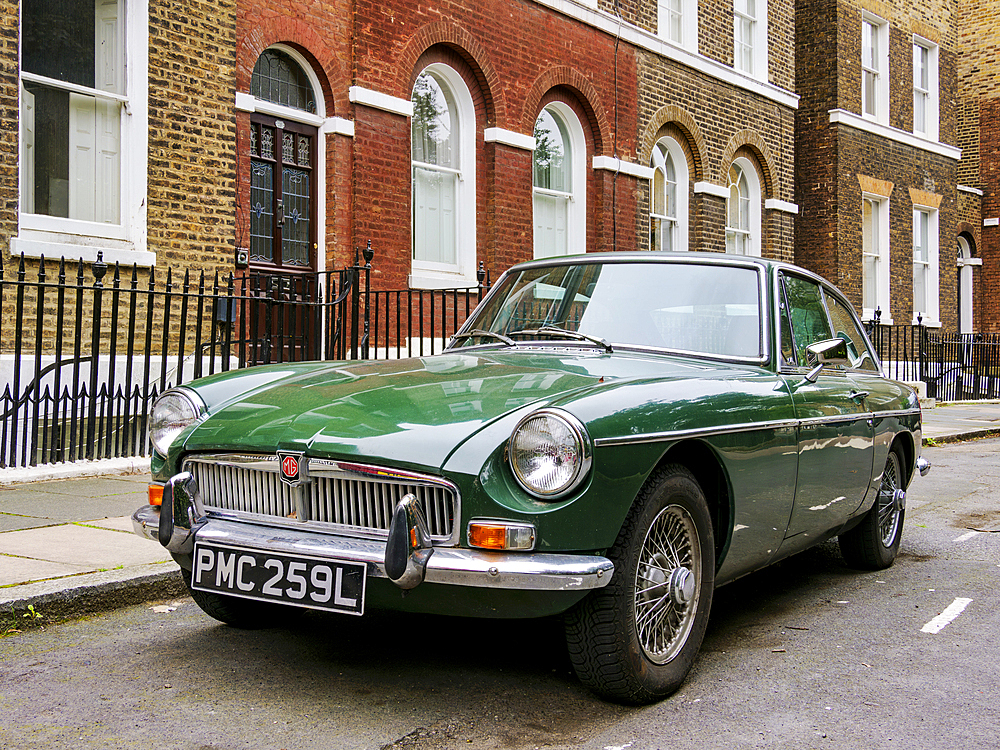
67,547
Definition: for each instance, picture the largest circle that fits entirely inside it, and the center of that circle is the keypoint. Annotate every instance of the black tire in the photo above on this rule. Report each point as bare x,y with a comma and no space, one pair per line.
245,614
632,646
874,543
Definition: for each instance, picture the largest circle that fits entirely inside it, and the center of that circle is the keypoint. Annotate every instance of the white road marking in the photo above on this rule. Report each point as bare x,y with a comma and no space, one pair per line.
952,611
965,536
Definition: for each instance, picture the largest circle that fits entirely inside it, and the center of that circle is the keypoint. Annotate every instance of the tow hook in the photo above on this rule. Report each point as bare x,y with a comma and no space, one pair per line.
409,545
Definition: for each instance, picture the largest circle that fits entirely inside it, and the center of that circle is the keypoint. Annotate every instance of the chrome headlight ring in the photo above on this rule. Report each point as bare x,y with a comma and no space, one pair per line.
550,453
172,412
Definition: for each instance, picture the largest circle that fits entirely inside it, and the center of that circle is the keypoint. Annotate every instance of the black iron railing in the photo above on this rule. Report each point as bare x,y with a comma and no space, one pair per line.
954,366
87,349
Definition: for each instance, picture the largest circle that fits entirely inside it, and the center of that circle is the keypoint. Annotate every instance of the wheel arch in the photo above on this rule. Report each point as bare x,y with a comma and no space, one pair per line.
705,464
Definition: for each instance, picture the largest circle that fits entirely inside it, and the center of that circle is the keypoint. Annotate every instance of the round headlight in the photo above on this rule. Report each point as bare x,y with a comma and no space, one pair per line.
549,453
172,412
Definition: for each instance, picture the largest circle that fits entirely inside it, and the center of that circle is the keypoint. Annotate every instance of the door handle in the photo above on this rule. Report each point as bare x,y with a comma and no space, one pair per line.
859,396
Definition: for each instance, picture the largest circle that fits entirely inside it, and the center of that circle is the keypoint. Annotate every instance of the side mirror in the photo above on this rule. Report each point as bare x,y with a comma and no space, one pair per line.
823,353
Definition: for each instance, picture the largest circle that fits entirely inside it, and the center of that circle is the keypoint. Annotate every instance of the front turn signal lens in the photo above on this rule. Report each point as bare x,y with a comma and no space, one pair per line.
156,494
501,535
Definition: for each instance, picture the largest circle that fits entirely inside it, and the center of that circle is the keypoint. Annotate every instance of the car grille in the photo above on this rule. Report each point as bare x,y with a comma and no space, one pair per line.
336,498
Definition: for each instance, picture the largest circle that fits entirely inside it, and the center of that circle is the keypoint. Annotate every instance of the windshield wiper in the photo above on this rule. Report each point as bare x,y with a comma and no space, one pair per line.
557,331
486,334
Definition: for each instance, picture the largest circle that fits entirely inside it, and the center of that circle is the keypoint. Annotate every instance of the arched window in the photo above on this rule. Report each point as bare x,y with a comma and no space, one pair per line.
743,209
558,183
965,281
668,217
443,179
282,166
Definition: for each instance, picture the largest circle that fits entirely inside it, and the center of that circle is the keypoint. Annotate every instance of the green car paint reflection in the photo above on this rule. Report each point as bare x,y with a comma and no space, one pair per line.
675,420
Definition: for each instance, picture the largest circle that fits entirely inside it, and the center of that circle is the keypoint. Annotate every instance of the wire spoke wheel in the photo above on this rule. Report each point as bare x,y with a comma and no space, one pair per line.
635,640
874,543
666,585
890,504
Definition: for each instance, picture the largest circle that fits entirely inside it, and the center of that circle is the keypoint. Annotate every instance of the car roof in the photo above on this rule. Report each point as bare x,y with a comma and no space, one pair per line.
658,256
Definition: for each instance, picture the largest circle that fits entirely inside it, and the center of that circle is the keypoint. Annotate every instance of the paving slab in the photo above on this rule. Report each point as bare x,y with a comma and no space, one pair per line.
77,544
14,521
17,570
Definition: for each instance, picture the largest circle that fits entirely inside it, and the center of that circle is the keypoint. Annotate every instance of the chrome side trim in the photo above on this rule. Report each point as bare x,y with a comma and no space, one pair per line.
450,566
897,413
656,437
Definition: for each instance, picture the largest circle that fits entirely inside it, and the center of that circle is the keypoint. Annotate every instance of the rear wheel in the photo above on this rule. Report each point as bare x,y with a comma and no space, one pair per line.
239,613
635,640
874,543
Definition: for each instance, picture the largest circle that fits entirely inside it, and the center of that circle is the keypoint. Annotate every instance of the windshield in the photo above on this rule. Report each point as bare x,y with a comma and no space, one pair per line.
699,308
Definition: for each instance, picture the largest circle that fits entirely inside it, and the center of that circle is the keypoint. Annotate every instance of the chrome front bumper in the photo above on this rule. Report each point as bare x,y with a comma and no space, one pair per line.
447,565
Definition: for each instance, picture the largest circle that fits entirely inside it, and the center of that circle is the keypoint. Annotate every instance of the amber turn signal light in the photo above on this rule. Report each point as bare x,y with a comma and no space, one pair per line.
501,535
156,494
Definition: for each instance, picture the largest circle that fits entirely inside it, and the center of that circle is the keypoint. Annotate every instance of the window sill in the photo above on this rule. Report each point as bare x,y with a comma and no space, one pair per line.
430,280
55,247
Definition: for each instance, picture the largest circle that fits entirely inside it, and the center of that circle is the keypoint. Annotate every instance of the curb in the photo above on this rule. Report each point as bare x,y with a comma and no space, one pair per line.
91,594
961,437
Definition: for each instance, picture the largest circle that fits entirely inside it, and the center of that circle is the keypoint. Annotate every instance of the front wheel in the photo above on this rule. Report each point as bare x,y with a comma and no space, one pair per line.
635,640
874,543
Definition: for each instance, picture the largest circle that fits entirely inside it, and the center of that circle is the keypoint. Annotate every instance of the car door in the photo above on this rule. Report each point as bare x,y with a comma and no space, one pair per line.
835,427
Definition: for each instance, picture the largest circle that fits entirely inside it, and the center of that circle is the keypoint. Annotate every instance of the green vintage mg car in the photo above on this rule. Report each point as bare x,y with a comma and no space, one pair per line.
608,438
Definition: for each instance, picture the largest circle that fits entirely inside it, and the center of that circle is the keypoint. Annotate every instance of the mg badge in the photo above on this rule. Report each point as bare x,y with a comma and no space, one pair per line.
292,468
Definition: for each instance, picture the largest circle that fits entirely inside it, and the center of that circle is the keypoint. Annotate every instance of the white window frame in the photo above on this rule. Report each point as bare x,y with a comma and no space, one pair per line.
966,264
928,307
757,41
754,238
683,180
875,72
576,208
926,93
125,241
880,254
429,275
686,35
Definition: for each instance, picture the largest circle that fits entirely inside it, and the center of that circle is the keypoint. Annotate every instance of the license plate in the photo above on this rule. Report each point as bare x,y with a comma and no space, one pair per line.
316,583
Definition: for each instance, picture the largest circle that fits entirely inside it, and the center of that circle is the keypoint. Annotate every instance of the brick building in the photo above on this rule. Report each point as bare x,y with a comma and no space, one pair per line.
120,115
978,114
281,136
460,133
877,155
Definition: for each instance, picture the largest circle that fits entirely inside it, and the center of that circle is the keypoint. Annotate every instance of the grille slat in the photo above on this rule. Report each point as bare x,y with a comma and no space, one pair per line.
337,498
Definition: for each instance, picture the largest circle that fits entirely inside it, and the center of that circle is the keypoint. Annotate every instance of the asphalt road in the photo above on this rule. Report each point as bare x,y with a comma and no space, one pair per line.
806,654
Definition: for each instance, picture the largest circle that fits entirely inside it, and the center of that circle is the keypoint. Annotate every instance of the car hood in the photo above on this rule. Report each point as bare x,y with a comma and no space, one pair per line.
413,412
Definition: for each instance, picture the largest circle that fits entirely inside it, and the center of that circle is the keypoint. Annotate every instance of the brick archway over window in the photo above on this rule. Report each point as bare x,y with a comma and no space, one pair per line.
307,43
468,48
752,141
685,123
585,94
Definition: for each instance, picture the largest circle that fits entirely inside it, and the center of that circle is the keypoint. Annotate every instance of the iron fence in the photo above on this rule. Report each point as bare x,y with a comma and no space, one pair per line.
954,366
83,356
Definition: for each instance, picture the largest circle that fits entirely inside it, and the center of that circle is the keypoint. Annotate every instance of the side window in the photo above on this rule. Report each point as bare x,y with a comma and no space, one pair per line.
845,326
806,314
